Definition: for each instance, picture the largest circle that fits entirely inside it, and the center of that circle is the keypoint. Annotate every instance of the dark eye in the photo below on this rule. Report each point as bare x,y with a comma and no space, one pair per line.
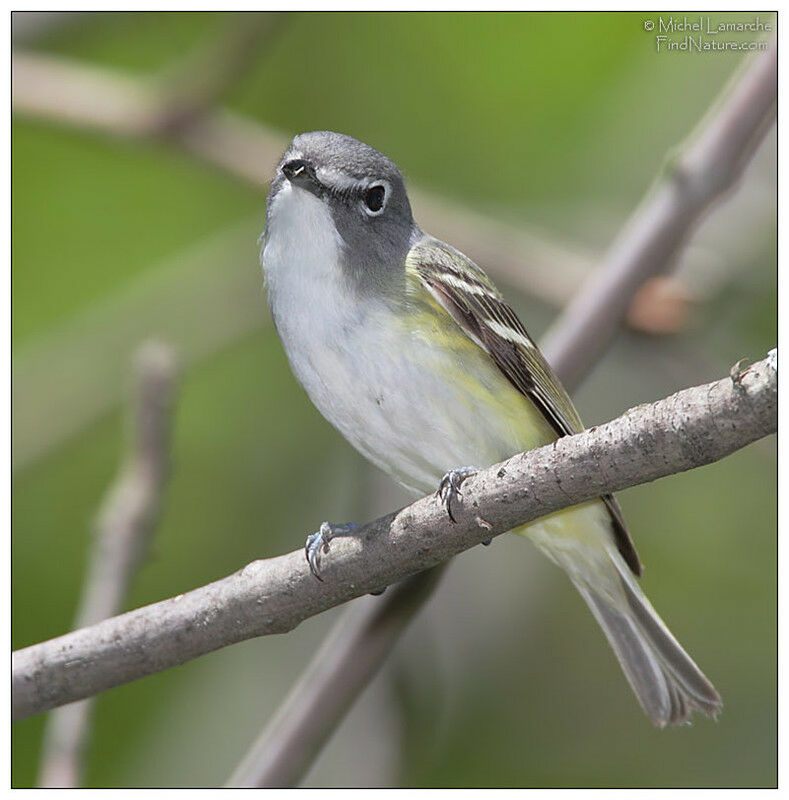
374,198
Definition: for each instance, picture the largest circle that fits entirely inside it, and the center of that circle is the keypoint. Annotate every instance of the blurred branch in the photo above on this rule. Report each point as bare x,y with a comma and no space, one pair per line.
689,429
123,528
66,92
697,175
320,699
29,26
70,93
199,299
349,657
197,85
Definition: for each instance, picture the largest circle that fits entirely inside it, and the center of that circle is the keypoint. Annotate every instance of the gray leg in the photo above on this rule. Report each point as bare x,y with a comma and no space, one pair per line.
318,542
449,488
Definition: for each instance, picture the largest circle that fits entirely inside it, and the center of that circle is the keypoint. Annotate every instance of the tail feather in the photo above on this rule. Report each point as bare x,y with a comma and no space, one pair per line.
665,679
675,659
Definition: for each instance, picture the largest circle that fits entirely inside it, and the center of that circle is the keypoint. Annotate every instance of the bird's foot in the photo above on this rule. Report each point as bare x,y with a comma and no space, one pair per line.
318,543
449,488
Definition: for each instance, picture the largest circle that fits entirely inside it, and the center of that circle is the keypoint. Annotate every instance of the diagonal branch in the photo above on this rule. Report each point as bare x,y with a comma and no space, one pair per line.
123,528
699,173
199,83
276,594
330,685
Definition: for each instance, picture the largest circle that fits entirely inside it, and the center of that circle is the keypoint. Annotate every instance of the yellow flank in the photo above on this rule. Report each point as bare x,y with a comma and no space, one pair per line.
578,539
478,382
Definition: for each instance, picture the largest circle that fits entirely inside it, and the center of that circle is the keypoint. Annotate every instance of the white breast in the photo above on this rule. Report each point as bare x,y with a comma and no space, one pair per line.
341,349
304,279
384,388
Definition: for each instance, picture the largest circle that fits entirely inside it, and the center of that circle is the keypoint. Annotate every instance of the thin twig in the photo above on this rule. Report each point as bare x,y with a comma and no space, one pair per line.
691,428
698,174
197,85
573,347
28,26
123,528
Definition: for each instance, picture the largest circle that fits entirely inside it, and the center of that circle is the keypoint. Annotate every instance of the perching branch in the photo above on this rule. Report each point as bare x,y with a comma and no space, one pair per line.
698,174
689,429
123,528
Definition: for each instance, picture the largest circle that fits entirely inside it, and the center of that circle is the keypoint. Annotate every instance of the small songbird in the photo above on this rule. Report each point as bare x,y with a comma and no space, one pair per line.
410,351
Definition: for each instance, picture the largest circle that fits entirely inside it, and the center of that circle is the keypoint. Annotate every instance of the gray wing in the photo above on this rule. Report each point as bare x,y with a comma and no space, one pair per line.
478,307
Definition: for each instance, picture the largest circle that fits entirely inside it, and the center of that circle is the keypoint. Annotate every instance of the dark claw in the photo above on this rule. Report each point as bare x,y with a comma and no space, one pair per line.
312,552
448,505
450,487
444,493
318,543
737,371
487,542
447,489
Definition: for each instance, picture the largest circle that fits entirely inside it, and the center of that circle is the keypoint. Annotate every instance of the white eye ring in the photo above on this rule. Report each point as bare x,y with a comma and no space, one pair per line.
374,199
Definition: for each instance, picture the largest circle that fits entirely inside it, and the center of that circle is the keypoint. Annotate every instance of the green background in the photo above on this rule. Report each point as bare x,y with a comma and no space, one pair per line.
556,123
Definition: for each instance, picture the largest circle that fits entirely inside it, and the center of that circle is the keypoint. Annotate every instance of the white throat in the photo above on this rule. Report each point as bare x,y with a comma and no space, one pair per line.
302,244
308,292
300,260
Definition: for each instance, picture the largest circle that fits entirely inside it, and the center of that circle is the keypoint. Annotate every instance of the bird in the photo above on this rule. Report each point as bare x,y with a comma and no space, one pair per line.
410,351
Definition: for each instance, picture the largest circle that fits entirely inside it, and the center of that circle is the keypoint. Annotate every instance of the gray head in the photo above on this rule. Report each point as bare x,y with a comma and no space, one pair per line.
365,195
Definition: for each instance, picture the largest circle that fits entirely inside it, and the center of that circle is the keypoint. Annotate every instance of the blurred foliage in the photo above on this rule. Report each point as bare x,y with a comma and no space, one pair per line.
104,205
557,121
